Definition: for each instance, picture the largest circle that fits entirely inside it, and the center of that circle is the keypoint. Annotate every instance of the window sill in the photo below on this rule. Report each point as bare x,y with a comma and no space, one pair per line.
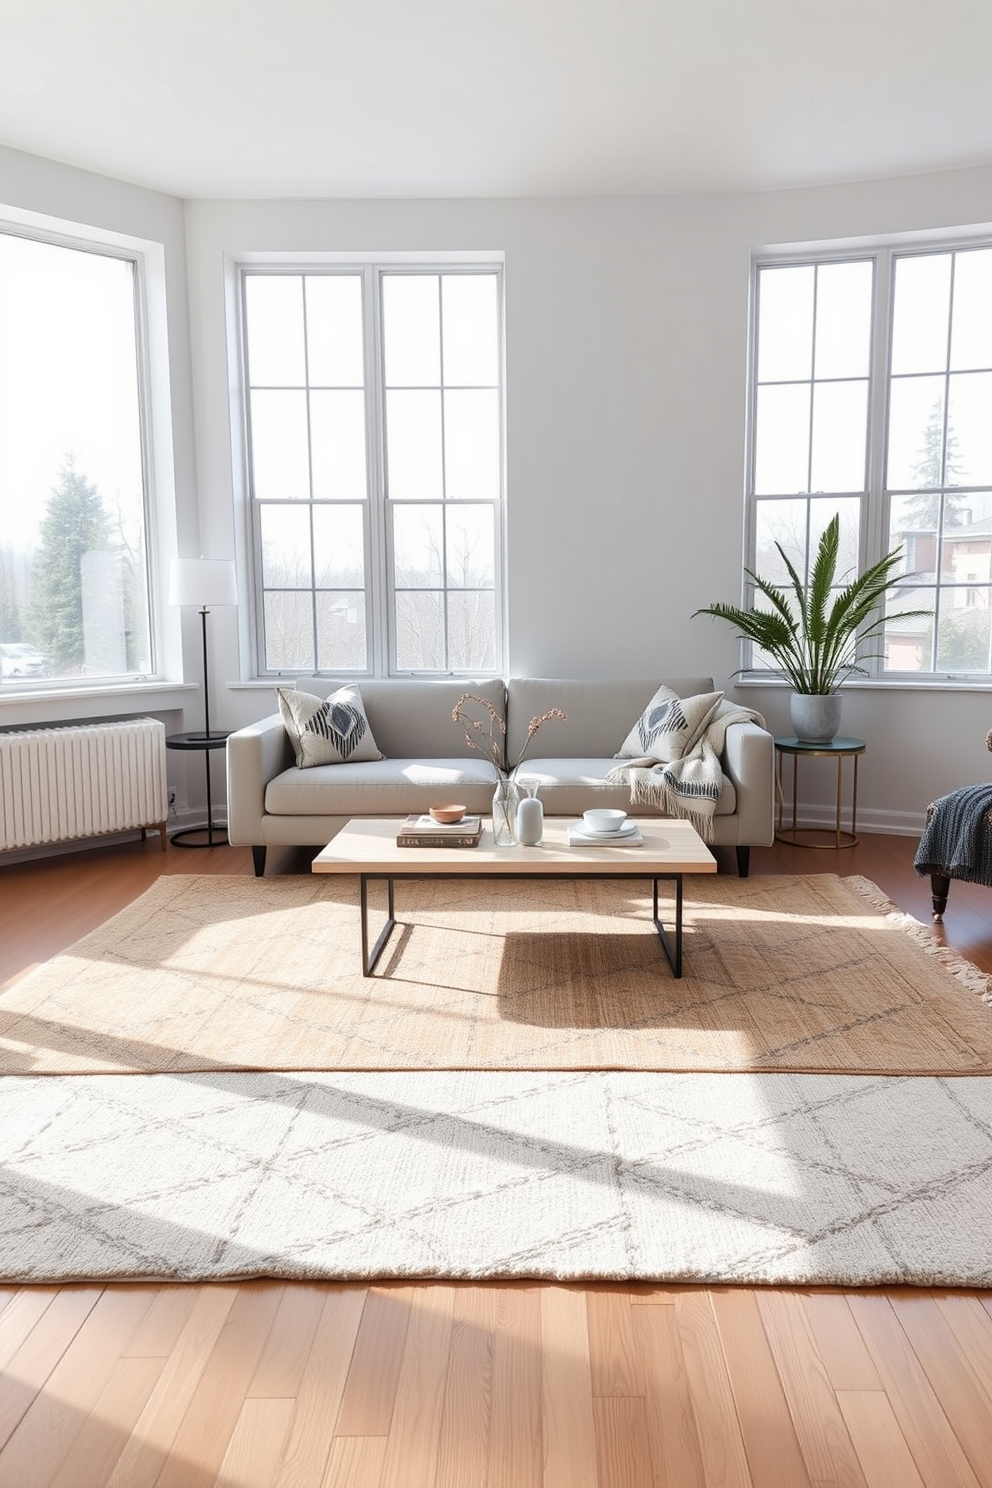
879,684
55,705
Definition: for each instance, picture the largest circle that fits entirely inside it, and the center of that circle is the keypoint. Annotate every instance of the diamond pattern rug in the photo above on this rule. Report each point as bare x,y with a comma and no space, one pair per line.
815,973
670,1177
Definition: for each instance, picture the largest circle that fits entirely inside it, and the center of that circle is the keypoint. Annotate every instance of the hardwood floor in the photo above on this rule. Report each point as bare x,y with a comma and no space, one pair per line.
499,1385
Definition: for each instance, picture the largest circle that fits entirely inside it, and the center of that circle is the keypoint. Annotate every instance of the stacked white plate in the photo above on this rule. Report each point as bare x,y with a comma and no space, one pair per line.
629,835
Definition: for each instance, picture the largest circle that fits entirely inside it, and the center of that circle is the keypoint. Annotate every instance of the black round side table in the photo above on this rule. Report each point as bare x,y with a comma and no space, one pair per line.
206,743
840,750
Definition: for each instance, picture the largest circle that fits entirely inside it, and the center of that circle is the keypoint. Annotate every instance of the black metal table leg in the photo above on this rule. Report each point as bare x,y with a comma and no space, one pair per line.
674,957
369,961
671,944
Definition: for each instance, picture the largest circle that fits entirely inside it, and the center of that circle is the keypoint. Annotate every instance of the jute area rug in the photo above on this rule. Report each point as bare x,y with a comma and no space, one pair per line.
802,974
672,1177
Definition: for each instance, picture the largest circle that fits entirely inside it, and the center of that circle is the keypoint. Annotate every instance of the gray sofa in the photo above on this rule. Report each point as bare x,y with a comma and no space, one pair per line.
271,802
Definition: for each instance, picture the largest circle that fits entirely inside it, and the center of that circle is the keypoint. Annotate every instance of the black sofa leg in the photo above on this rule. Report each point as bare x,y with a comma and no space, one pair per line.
743,861
940,887
258,858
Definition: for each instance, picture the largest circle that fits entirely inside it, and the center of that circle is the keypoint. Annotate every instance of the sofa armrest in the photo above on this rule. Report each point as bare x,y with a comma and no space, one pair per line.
749,761
256,754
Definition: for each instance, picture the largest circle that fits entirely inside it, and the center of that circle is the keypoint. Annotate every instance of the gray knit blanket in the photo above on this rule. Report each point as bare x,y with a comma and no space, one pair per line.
688,787
957,839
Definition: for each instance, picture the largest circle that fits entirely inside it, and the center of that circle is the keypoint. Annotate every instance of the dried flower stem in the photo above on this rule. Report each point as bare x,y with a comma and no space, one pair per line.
488,735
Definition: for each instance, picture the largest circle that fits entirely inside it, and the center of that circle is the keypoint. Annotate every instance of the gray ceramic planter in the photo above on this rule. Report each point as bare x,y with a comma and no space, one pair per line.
815,716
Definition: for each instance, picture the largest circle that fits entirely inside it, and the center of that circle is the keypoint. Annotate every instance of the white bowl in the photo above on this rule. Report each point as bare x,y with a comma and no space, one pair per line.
602,820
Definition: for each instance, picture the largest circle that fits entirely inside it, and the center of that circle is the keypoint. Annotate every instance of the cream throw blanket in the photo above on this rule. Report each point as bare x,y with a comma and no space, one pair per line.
688,787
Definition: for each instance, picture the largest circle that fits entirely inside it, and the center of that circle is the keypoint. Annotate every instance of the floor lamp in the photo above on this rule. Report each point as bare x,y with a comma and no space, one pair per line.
204,582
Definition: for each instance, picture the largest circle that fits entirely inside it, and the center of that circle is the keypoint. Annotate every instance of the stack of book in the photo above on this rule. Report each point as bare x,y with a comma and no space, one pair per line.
424,831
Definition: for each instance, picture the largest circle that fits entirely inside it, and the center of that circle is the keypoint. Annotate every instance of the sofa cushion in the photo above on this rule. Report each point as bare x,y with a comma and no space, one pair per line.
600,711
327,731
569,786
670,726
388,787
411,717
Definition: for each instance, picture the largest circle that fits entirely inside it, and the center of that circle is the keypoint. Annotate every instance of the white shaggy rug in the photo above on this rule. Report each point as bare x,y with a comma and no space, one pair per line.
682,1177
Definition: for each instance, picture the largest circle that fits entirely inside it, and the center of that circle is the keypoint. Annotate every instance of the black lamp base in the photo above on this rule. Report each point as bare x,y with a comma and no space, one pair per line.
216,836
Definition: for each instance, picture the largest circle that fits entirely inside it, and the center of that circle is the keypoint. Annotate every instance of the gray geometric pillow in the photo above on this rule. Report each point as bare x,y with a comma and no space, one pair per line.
327,731
670,726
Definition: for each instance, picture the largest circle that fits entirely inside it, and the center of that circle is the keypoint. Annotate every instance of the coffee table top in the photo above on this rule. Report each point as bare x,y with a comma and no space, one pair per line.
368,845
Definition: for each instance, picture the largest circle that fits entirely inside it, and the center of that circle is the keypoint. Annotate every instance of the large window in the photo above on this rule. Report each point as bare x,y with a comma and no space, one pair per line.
872,398
374,420
73,567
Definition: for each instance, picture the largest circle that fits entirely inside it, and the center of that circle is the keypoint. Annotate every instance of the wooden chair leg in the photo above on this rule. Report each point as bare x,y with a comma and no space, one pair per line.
940,887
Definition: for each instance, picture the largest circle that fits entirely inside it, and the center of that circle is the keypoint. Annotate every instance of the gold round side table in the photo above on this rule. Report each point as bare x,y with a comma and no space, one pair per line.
840,750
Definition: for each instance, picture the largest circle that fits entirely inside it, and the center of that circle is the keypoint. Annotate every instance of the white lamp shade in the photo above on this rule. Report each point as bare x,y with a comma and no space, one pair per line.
202,582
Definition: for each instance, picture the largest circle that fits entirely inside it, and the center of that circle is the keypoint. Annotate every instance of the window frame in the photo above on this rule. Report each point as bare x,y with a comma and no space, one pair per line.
876,498
154,424
380,590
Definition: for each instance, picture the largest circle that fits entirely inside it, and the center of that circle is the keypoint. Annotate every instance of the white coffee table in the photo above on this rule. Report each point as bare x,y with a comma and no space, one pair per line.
367,847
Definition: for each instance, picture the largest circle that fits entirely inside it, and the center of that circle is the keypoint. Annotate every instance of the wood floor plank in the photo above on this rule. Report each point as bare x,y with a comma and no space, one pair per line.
882,1451
370,1393
145,1452
839,1341
30,1365
516,1456
971,1325
356,1462
963,1399
199,1446
766,1423
623,1455
412,1443
110,1424
568,1425
672,1435
255,1449
284,1358
929,1435
463,1448
44,1436
823,1437
612,1346
164,1322
718,1430
321,1388
20,1316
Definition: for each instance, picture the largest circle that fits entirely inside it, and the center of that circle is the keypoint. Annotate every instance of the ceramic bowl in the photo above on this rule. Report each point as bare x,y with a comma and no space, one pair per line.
602,820
447,814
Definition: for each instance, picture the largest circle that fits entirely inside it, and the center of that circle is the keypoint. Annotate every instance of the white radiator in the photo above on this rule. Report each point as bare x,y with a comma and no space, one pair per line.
61,783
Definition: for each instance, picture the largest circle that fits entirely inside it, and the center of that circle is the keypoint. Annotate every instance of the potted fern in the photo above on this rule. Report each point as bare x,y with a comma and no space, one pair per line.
817,640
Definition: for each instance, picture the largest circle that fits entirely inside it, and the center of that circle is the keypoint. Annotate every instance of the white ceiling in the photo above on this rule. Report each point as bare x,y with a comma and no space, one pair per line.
367,98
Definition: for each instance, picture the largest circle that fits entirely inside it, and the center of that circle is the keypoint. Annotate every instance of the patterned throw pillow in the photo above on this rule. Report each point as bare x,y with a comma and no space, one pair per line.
327,731
670,726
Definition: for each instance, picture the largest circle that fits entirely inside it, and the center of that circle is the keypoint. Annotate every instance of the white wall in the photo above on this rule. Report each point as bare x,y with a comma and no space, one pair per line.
626,330
626,362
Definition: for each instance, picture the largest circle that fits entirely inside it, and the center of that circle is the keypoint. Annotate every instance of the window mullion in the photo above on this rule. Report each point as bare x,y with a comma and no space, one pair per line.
379,555
875,521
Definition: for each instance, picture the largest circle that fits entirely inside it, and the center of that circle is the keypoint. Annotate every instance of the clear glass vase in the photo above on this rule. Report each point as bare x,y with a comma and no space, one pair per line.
506,799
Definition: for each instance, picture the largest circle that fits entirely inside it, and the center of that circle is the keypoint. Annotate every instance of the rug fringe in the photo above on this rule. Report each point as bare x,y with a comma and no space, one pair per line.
959,966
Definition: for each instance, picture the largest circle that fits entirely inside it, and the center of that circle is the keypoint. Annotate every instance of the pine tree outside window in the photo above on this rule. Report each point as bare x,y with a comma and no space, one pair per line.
871,399
73,565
